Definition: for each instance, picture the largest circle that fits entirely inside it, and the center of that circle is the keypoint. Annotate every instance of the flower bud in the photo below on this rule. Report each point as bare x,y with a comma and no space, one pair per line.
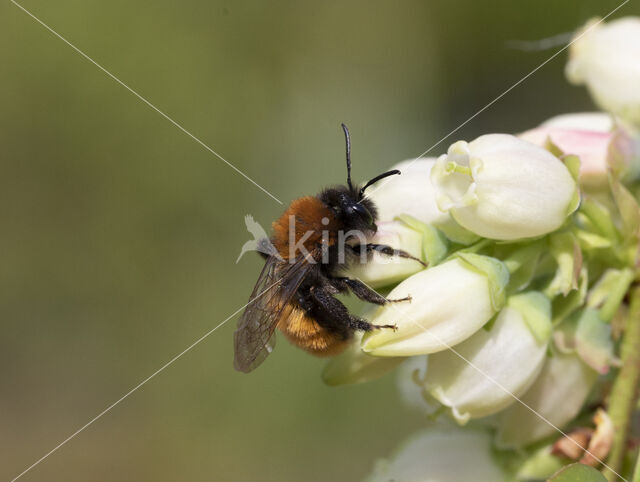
441,455
557,396
502,187
410,193
486,371
449,303
593,137
606,58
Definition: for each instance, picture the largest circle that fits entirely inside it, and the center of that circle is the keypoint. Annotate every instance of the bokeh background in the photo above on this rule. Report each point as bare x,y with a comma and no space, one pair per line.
119,233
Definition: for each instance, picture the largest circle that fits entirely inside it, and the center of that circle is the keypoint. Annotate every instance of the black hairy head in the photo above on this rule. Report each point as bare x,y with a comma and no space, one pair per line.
352,212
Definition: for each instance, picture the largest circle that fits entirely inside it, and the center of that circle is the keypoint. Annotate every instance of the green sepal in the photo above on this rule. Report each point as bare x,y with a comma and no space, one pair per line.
573,166
540,465
600,218
628,209
577,473
456,233
535,309
563,306
608,293
495,271
565,249
572,162
522,263
553,148
590,337
434,243
590,241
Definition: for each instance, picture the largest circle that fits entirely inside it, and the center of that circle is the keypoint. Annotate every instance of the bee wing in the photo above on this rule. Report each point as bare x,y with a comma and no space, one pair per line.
254,338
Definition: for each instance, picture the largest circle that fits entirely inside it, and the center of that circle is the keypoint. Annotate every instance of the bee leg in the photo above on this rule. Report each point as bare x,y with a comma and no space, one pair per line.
331,312
362,291
386,250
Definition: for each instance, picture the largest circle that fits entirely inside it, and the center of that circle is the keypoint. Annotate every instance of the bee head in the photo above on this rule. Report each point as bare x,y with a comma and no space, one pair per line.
351,212
348,204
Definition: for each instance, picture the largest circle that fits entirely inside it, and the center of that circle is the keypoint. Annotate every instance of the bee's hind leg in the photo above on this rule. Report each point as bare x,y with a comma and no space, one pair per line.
331,312
364,292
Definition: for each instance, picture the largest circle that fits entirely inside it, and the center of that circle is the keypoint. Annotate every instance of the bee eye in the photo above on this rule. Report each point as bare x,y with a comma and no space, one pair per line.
364,213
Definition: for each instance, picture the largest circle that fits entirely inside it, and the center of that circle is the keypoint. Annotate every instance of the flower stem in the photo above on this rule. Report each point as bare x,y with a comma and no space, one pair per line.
625,388
636,473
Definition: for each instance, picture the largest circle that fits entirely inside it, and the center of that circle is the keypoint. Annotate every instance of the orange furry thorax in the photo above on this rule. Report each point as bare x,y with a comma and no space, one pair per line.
305,219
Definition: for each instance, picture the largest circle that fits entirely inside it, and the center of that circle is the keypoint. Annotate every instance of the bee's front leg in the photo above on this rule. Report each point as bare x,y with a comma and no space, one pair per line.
384,249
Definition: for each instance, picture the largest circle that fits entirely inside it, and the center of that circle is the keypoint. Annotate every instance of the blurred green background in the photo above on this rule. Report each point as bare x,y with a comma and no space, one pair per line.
120,233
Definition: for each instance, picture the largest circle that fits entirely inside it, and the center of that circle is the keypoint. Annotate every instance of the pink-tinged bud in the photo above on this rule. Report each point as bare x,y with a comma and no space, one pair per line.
594,138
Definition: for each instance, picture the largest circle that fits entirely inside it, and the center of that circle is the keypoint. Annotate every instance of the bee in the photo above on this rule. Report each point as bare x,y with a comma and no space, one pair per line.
315,240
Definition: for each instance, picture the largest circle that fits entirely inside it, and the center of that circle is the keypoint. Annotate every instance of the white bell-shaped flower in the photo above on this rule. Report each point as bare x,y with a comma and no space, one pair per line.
410,193
441,455
606,58
502,187
377,269
594,138
449,303
484,374
553,400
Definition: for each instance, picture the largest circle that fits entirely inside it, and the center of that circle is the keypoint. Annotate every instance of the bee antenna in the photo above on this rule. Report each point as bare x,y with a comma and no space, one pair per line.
376,179
347,139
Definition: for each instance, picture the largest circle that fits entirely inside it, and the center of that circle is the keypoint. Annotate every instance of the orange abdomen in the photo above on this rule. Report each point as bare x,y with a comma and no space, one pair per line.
305,332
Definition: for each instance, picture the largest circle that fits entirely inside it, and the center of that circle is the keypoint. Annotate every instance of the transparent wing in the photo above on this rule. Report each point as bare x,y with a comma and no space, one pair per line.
270,301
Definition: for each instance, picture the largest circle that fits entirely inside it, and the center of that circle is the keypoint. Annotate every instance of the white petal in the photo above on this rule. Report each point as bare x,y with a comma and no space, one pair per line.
409,193
408,380
449,303
504,187
488,369
606,58
383,270
557,396
441,455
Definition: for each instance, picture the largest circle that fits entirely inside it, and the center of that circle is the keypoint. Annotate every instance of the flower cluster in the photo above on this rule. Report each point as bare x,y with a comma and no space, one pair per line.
531,242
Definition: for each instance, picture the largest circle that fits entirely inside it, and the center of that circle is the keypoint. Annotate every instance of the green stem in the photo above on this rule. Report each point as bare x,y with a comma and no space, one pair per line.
625,388
636,473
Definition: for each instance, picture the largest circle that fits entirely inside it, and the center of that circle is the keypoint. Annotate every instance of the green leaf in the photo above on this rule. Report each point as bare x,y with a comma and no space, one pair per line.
577,473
